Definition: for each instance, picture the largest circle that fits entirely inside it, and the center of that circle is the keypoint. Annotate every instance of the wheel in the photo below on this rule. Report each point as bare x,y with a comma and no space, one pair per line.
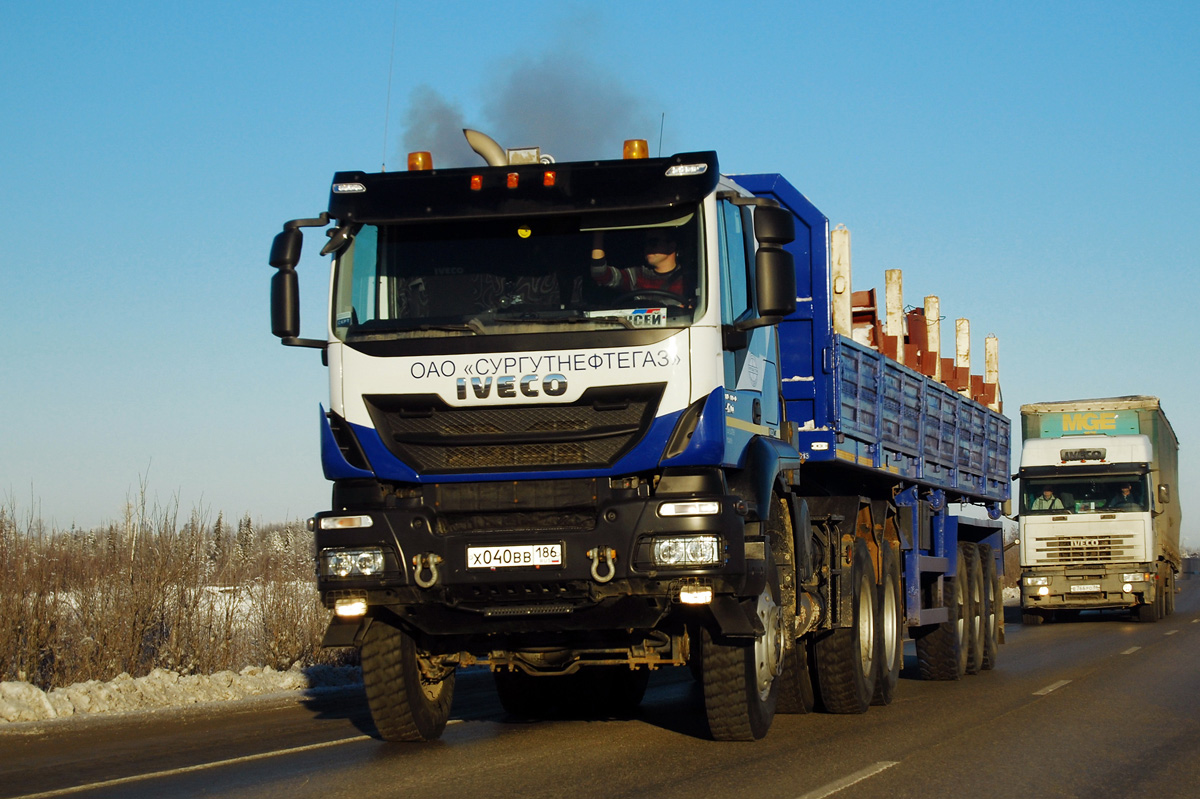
974,608
795,692
942,652
741,682
891,628
993,607
1146,612
847,658
1169,599
409,696
1031,618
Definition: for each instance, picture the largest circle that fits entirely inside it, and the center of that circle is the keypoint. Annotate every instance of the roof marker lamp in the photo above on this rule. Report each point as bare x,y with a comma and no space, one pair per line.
635,148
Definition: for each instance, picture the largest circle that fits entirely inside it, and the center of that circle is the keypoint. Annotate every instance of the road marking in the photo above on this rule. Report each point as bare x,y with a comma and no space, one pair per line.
1051,687
846,782
189,769
1170,632
1131,650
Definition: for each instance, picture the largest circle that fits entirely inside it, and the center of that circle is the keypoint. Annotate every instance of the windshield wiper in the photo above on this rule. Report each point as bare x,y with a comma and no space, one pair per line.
555,318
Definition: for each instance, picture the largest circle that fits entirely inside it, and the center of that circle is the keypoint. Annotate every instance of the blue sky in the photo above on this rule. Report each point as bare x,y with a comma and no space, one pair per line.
1033,164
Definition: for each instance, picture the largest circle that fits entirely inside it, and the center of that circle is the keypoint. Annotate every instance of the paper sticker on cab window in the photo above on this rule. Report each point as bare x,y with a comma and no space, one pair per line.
649,317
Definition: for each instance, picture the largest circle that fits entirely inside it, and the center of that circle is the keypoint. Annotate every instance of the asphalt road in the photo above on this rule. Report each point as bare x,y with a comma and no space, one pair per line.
1095,708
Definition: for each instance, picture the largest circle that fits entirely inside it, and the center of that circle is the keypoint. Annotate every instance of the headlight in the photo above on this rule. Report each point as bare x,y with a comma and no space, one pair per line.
689,509
363,562
691,550
1133,577
1037,581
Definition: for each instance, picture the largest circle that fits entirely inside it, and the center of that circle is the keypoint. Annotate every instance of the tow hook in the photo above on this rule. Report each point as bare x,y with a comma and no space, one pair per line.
606,556
426,561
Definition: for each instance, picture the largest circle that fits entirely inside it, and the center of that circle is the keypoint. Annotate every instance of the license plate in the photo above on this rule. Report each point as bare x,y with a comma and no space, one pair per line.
1084,589
528,556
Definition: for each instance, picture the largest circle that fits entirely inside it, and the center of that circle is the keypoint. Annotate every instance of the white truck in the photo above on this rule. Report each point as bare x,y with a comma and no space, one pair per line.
1100,515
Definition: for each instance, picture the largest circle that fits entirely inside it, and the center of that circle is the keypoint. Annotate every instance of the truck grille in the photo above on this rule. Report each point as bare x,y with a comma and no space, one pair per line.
1085,549
435,438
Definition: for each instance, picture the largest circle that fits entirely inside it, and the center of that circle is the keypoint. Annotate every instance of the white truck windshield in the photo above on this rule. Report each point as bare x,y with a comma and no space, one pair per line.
1106,494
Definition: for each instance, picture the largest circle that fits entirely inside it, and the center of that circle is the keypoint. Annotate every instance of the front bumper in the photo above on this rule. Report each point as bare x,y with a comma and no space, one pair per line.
606,581
1087,591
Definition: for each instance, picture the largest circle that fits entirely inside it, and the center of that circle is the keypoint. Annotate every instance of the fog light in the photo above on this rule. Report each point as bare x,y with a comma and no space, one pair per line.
1127,588
1044,591
350,607
696,595
363,562
680,551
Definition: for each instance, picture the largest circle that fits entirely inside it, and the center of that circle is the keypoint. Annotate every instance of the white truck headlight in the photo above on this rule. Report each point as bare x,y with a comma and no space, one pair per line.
344,522
1133,577
1037,581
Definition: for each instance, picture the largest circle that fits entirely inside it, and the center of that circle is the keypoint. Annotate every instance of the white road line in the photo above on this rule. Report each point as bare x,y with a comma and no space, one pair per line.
1131,650
846,782
1170,632
1051,687
189,769
1195,621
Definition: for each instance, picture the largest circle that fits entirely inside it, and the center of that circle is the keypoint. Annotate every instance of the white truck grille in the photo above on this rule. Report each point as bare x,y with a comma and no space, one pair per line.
1086,549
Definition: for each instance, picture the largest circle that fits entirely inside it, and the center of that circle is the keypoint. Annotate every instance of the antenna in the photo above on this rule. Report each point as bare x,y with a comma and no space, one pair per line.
661,124
387,111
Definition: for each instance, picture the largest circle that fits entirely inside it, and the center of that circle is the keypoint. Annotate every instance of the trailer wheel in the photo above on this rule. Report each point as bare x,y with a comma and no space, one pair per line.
409,697
993,607
942,652
974,608
847,658
741,683
1169,598
891,628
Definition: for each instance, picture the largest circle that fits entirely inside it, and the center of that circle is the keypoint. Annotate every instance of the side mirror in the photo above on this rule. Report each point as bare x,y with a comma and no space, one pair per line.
1164,494
285,250
775,281
285,303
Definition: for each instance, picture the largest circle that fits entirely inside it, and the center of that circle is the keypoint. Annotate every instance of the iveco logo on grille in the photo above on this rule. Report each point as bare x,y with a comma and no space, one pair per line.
1090,543
509,386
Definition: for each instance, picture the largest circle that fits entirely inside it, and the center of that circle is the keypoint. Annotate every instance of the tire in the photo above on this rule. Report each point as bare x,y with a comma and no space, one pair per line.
404,706
1147,612
1031,618
942,652
993,607
741,683
974,608
795,693
847,658
891,628
1169,599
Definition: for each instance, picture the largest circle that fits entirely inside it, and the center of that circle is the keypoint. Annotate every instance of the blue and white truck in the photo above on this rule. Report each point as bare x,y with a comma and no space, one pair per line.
592,419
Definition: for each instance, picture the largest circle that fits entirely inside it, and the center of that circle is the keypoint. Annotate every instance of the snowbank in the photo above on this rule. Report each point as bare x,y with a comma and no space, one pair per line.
21,701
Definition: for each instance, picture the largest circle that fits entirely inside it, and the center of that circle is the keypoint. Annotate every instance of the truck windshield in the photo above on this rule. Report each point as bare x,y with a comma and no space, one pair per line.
1107,494
491,276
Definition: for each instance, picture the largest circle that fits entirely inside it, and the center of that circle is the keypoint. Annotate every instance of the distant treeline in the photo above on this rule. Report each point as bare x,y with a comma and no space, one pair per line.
195,596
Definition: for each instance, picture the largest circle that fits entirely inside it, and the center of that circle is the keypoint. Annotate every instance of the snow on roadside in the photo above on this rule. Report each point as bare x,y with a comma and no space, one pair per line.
22,701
